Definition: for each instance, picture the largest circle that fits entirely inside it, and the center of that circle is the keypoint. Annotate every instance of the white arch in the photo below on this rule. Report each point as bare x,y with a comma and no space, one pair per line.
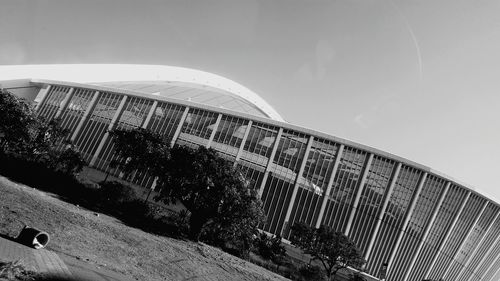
87,73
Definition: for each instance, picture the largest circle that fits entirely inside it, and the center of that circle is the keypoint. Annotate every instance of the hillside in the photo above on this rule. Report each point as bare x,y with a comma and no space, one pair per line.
106,242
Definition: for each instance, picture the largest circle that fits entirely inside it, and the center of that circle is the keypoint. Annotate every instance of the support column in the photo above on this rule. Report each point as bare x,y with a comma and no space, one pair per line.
88,111
382,211
243,141
179,127
427,230
423,178
117,115
360,188
296,185
466,236
329,185
150,115
214,130
44,93
64,103
476,247
270,161
448,234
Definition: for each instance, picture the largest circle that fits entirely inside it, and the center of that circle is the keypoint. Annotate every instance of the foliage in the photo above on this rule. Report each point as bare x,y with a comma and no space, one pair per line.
138,149
333,249
310,272
33,138
113,193
18,118
235,225
270,248
212,190
67,160
15,271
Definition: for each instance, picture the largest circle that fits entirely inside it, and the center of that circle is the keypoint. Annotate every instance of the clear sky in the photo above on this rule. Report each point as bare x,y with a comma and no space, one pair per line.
419,79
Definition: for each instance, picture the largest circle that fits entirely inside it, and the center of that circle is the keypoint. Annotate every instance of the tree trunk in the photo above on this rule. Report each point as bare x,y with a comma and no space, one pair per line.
196,223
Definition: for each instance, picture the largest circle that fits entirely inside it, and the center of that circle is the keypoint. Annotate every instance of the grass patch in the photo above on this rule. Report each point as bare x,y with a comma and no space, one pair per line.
104,241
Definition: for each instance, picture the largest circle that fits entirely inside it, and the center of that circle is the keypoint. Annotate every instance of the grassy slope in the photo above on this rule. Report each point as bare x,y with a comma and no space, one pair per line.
105,241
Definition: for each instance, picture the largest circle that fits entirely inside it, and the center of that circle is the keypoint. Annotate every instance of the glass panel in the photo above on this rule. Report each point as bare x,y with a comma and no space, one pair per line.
444,218
313,182
133,115
97,124
283,173
371,200
345,185
75,110
53,102
393,218
197,127
458,233
259,144
426,204
229,135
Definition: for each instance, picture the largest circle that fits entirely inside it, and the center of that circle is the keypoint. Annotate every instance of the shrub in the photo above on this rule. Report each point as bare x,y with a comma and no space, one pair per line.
311,272
15,271
112,194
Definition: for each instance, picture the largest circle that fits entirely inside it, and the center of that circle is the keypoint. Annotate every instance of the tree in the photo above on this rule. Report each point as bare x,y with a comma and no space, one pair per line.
235,224
333,249
270,248
17,120
24,134
138,149
67,160
211,189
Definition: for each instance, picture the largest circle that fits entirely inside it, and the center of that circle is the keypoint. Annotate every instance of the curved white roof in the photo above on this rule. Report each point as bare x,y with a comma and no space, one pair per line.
99,73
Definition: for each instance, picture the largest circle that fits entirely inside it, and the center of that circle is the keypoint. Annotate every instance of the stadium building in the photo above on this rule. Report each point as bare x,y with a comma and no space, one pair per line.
417,222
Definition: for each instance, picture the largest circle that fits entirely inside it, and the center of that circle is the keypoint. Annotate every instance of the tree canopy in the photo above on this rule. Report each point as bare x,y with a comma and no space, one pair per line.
216,194
26,135
333,249
211,189
138,149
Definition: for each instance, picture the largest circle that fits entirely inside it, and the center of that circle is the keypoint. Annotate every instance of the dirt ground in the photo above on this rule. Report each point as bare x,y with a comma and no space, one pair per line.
106,242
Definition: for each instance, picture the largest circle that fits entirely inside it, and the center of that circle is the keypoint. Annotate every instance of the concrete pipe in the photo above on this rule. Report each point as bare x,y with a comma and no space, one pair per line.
33,237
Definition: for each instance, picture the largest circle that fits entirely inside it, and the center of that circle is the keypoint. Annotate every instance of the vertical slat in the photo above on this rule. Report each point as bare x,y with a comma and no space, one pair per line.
214,130
150,115
243,141
88,111
358,194
467,263
64,103
270,161
427,230
296,185
179,127
43,92
382,211
329,186
466,237
448,234
423,178
117,115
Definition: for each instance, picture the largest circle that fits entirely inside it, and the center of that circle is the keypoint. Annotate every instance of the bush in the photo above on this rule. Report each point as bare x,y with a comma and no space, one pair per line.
15,271
311,272
270,248
112,194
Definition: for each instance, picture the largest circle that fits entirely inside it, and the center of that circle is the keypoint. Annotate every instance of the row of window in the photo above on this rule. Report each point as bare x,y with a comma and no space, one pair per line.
419,223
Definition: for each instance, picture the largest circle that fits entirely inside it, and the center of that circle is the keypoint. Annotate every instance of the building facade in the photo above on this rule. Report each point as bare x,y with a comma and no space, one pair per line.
417,221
